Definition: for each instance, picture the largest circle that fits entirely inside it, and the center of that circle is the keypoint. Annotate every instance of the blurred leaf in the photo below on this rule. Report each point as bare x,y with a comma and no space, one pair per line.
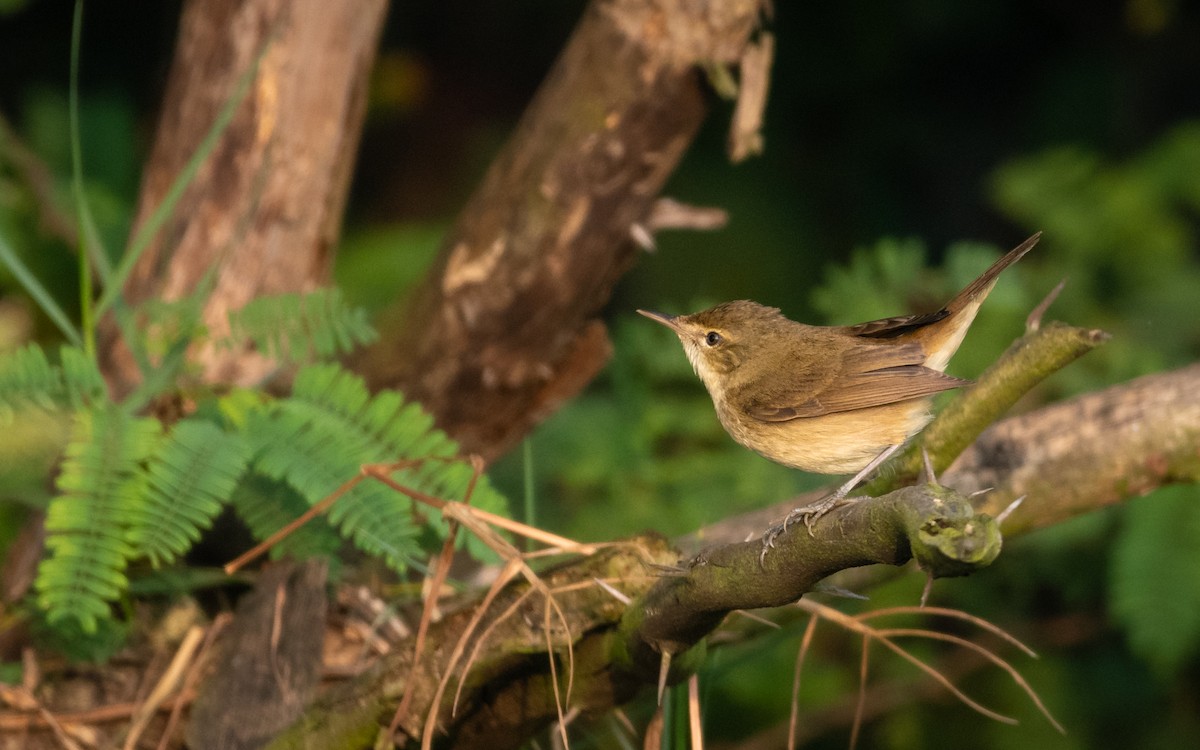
299,328
1155,577
1125,235
380,265
874,285
892,278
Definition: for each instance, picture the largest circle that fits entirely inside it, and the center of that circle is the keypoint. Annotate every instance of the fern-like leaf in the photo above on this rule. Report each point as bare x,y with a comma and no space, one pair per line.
27,378
872,286
163,325
82,383
266,506
318,438
293,328
99,484
190,476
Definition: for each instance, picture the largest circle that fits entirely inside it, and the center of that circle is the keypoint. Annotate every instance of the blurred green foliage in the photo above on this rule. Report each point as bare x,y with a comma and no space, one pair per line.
968,124
1155,579
377,264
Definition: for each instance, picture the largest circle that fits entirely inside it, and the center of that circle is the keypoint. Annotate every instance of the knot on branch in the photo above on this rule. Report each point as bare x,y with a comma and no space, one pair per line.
947,535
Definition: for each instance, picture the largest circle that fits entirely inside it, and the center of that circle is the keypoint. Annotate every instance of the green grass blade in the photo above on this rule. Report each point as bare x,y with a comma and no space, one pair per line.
88,236
38,292
530,493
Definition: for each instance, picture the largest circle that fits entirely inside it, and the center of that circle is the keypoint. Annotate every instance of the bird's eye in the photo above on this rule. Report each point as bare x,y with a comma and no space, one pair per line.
713,338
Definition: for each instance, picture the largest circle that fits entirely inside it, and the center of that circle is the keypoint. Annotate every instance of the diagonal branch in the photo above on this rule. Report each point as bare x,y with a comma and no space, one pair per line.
505,327
617,647
1089,452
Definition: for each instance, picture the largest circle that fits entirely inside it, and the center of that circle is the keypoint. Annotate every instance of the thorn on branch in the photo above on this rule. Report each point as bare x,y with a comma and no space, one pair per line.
1004,514
1034,321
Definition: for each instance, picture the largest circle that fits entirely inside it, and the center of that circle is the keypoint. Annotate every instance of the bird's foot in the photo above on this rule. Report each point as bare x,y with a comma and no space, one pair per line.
809,515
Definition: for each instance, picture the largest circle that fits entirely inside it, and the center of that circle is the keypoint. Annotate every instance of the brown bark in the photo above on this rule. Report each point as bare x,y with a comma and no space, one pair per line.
1089,452
264,210
505,326
268,665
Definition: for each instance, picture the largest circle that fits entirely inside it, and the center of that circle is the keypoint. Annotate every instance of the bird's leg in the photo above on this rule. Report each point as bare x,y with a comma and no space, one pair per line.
810,513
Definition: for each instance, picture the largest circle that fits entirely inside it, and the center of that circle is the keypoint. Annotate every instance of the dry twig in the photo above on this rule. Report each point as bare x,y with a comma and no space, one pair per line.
859,624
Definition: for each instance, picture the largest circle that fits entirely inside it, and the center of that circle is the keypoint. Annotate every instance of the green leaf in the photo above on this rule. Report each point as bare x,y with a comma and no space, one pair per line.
86,523
1155,577
34,289
188,479
875,283
83,385
292,328
318,439
27,378
267,506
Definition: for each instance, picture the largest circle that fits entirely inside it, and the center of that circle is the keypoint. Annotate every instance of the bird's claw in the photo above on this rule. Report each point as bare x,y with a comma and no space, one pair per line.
768,541
809,515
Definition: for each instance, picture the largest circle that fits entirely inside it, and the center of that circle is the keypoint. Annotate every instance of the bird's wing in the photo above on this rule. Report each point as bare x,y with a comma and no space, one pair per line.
869,375
887,328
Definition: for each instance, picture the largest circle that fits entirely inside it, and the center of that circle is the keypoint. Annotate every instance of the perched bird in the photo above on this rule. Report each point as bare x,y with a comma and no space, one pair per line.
828,399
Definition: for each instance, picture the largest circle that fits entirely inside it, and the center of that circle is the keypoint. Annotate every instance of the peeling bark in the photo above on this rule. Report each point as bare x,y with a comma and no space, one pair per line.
505,327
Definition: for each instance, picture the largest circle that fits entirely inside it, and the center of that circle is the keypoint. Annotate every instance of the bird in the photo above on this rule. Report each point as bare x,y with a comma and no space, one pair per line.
828,399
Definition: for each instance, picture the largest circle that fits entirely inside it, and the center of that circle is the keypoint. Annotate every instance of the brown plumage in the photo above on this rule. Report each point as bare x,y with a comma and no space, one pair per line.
827,399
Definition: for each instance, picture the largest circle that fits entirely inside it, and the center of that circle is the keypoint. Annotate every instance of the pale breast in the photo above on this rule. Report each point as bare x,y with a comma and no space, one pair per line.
839,443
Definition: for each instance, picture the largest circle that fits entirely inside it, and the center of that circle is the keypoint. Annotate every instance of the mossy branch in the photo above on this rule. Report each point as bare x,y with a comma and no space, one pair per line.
934,524
617,648
1041,352
673,613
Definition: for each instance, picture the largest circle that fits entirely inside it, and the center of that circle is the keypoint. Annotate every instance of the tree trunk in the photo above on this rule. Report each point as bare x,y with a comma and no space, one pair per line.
264,210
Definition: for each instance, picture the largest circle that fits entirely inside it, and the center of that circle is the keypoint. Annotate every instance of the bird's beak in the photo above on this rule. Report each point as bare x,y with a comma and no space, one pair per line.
657,317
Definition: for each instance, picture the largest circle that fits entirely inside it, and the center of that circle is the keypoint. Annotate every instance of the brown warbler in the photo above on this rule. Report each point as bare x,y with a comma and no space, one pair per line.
828,399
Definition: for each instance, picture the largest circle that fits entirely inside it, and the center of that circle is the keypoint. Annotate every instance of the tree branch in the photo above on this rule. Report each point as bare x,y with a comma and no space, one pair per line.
1089,452
1032,358
616,648
1069,458
505,327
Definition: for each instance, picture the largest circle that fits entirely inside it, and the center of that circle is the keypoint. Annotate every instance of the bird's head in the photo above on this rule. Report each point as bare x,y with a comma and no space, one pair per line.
720,339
